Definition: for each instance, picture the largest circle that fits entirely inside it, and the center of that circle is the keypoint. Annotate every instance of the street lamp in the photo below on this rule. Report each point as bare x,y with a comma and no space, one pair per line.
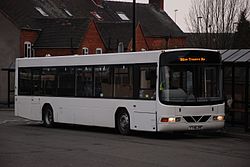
235,26
176,10
134,26
198,23
210,34
210,28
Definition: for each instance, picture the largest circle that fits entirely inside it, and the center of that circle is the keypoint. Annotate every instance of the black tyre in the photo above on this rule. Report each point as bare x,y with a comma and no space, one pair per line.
48,119
123,123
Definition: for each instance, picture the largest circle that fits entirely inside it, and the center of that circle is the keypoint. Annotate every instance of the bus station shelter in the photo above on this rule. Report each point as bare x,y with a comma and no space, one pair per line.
236,76
10,84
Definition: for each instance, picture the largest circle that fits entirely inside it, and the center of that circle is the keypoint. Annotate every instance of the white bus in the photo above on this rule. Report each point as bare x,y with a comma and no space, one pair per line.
171,90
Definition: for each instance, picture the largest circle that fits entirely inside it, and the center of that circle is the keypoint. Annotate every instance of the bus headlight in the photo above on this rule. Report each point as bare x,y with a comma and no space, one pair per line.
219,118
171,119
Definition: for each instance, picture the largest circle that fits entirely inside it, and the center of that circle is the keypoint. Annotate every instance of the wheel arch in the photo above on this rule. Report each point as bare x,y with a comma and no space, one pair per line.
46,105
119,110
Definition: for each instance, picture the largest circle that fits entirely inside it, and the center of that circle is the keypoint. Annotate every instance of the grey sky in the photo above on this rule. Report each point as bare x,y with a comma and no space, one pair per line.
183,8
170,6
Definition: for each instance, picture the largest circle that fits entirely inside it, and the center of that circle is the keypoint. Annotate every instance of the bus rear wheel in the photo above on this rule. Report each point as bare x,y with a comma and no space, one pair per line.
48,119
123,123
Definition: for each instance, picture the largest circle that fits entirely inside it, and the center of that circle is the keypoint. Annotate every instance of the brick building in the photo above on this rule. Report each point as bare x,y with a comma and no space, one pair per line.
61,27
68,37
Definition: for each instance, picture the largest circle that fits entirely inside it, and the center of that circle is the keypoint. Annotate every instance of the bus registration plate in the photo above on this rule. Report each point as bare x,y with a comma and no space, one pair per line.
195,127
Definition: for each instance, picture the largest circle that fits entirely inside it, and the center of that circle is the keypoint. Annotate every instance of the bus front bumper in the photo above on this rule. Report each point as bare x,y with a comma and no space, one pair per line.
179,126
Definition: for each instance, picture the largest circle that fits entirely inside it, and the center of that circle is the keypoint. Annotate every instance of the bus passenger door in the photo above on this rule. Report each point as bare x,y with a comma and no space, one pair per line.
145,89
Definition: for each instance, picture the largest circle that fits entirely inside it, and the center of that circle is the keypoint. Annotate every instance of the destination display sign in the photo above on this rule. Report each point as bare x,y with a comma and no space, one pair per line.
190,57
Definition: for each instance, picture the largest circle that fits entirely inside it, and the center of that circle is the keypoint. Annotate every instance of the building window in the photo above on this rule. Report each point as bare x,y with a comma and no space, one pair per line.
98,51
27,49
123,16
33,52
85,51
120,47
40,10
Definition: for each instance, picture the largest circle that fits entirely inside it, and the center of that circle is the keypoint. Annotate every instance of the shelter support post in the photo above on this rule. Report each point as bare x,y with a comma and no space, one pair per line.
8,89
246,99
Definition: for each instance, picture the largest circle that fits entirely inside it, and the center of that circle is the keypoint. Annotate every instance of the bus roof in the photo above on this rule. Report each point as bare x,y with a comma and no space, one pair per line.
95,59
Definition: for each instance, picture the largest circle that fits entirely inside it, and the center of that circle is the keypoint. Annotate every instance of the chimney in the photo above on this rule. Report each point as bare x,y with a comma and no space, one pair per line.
98,2
158,4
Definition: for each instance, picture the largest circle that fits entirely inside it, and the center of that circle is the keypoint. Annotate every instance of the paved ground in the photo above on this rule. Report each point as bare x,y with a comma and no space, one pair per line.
26,143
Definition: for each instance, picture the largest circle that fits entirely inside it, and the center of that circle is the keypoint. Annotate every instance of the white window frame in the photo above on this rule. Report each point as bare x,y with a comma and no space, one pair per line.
123,16
41,11
68,12
98,51
33,52
27,49
120,47
85,51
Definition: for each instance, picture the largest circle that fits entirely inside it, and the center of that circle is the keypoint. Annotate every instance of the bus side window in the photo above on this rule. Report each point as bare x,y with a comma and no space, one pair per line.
49,81
123,81
84,79
36,81
66,81
24,81
103,81
147,82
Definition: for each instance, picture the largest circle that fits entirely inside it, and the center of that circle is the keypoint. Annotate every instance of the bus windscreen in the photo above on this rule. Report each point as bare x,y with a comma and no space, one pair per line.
190,78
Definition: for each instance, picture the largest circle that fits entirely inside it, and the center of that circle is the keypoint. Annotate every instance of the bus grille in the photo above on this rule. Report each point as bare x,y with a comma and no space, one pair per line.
192,119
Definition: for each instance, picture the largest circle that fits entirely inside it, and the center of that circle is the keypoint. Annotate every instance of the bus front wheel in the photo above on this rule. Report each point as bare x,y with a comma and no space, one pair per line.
48,120
123,123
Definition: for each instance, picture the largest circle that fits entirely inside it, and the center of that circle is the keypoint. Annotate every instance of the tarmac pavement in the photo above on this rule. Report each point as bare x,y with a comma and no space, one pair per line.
235,131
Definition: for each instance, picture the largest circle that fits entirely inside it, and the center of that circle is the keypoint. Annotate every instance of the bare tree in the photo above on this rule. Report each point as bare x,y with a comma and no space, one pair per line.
213,22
